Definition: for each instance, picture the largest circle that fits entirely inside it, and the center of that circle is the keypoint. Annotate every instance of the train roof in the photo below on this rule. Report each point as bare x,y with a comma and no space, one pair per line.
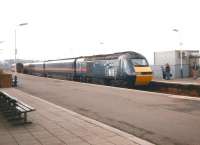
129,54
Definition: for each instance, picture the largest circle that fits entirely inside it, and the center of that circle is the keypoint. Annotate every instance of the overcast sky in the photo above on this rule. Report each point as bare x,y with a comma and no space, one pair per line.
68,28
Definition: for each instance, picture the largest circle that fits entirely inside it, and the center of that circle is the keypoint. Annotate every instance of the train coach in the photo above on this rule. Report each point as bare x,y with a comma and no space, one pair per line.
18,67
124,68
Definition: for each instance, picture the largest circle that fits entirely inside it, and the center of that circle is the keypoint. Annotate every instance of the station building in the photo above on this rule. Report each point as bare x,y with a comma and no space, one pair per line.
173,58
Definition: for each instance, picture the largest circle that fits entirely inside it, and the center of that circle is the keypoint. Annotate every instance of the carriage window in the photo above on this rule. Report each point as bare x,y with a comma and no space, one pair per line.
139,62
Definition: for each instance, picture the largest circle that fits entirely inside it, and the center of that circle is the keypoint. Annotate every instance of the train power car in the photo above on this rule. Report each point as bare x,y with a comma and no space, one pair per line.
124,68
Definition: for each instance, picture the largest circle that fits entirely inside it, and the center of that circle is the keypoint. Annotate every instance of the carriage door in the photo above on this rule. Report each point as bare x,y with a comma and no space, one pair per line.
110,69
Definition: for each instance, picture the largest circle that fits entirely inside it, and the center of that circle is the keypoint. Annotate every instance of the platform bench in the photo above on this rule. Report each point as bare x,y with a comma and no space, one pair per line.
14,109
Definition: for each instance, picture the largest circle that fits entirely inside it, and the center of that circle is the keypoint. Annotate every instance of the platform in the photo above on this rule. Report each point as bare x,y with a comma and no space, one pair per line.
184,81
185,86
156,117
54,125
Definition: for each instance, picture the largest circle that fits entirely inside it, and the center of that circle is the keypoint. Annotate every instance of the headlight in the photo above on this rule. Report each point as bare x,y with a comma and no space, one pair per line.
138,73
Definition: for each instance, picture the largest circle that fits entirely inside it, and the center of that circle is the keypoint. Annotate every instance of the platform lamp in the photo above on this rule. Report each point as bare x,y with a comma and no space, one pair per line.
15,60
181,53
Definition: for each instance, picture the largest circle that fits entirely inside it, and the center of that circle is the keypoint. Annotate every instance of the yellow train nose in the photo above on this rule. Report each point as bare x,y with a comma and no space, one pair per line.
143,75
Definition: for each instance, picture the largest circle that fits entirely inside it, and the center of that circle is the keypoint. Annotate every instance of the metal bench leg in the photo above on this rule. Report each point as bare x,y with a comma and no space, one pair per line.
25,117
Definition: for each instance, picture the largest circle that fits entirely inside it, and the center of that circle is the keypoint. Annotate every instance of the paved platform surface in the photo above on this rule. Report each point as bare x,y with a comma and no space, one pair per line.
54,125
160,118
183,81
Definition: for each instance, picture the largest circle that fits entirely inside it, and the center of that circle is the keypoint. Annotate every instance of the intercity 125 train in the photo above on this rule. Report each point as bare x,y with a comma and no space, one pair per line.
123,68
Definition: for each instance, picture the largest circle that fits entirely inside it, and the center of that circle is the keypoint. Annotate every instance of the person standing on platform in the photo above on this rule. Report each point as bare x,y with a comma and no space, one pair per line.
163,72
167,71
194,70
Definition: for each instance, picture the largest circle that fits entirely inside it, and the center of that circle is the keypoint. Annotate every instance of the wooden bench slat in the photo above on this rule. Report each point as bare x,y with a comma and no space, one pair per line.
25,105
24,108
20,109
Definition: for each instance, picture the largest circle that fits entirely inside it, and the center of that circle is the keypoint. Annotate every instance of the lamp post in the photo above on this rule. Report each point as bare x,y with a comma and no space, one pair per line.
181,53
15,60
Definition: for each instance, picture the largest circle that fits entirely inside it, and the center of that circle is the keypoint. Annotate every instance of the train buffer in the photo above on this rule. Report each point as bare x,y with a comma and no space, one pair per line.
13,109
